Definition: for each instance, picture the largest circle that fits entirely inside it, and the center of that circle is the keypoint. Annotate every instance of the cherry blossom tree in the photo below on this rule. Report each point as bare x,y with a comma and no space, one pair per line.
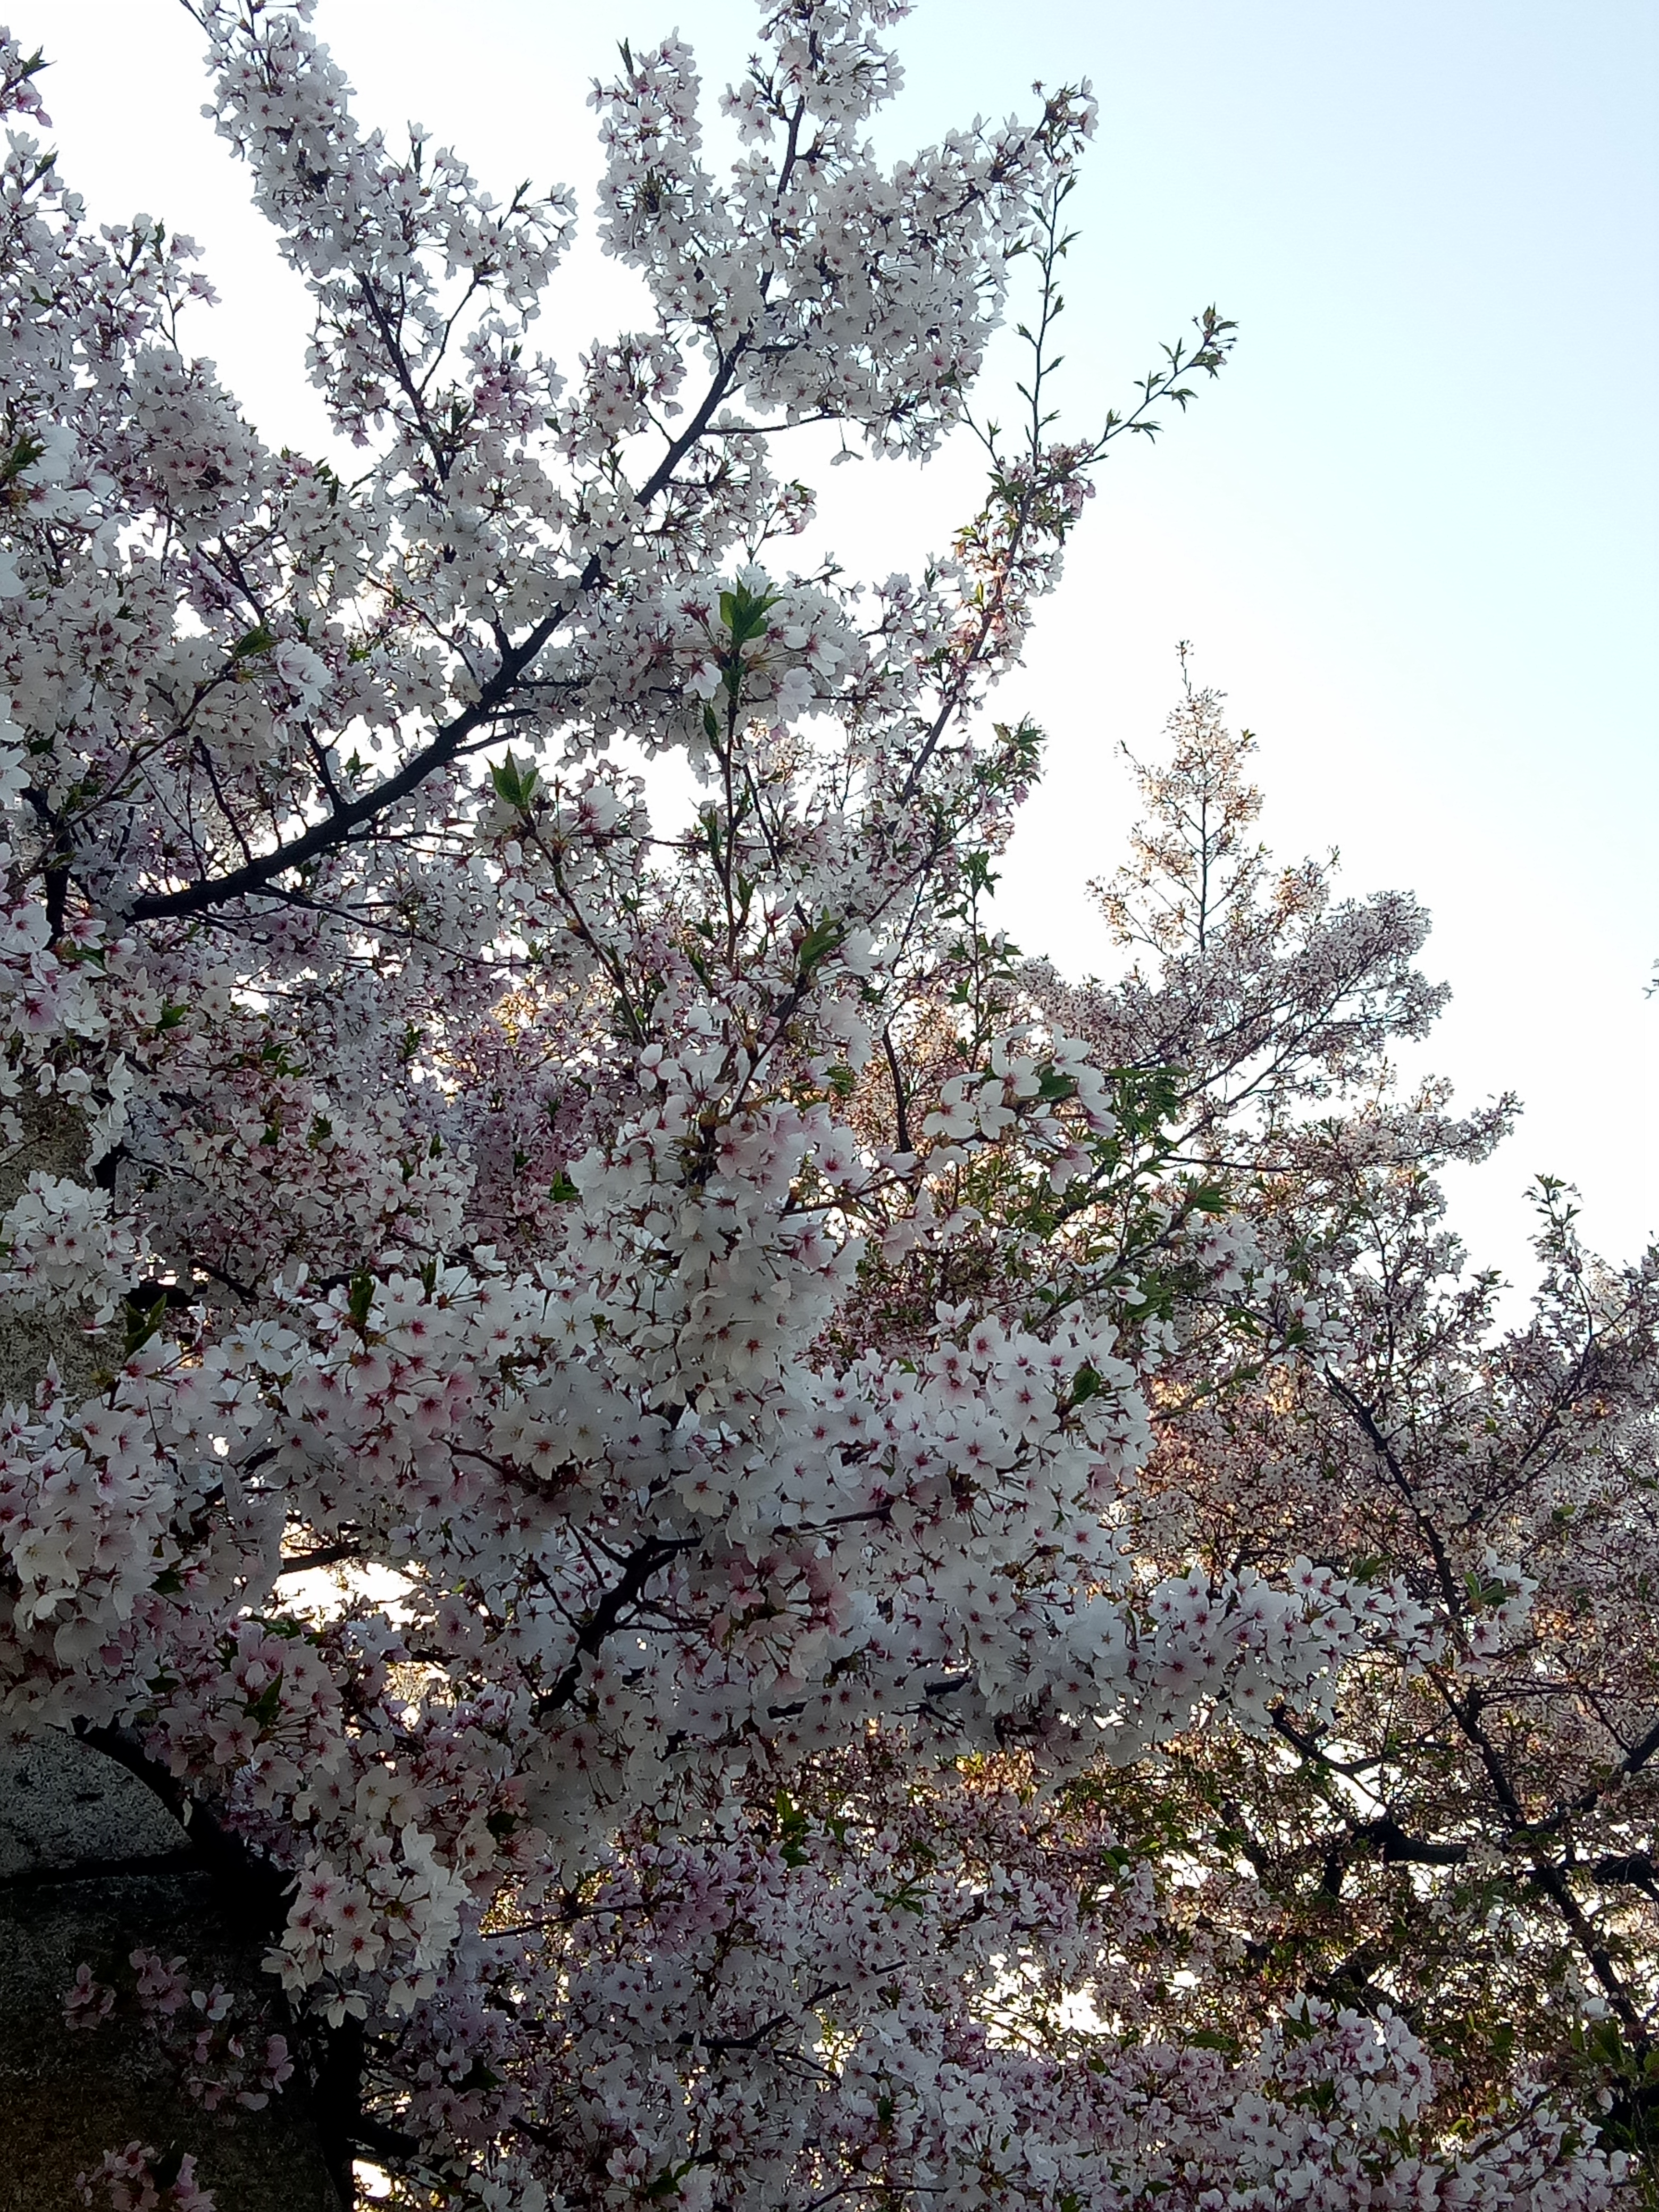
795,1563
1469,1839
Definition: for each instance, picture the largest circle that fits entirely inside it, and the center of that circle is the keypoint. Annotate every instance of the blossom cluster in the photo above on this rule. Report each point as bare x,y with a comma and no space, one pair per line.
217,2055
140,2178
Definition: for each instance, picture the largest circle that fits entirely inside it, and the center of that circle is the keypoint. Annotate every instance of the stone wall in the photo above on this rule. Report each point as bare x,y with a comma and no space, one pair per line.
91,1867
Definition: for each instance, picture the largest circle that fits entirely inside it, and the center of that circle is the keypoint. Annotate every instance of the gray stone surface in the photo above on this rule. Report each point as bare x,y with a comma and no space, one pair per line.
64,1805
69,2095
54,1140
91,1869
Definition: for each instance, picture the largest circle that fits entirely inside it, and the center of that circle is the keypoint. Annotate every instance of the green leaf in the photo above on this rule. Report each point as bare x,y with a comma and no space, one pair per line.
142,1323
743,613
667,2183
513,785
1484,1590
819,941
263,1708
1086,1383
23,455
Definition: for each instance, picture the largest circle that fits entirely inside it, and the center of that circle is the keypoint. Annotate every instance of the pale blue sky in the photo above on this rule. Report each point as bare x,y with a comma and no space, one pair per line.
1410,530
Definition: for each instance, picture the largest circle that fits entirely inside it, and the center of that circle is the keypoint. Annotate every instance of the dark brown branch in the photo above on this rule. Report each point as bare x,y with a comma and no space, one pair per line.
646,1563
900,1103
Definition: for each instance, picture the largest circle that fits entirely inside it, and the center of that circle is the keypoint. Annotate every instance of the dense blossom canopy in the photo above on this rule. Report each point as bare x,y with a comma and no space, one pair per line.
810,1565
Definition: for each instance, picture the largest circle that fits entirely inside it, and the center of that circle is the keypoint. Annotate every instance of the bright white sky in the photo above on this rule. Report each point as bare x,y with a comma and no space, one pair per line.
1410,530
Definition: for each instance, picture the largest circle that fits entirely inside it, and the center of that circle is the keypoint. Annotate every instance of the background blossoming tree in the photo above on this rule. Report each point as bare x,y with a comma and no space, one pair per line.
799,1564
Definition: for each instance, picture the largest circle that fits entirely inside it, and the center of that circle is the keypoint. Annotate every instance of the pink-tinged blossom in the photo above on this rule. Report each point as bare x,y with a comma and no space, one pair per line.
87,2002
138,2178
